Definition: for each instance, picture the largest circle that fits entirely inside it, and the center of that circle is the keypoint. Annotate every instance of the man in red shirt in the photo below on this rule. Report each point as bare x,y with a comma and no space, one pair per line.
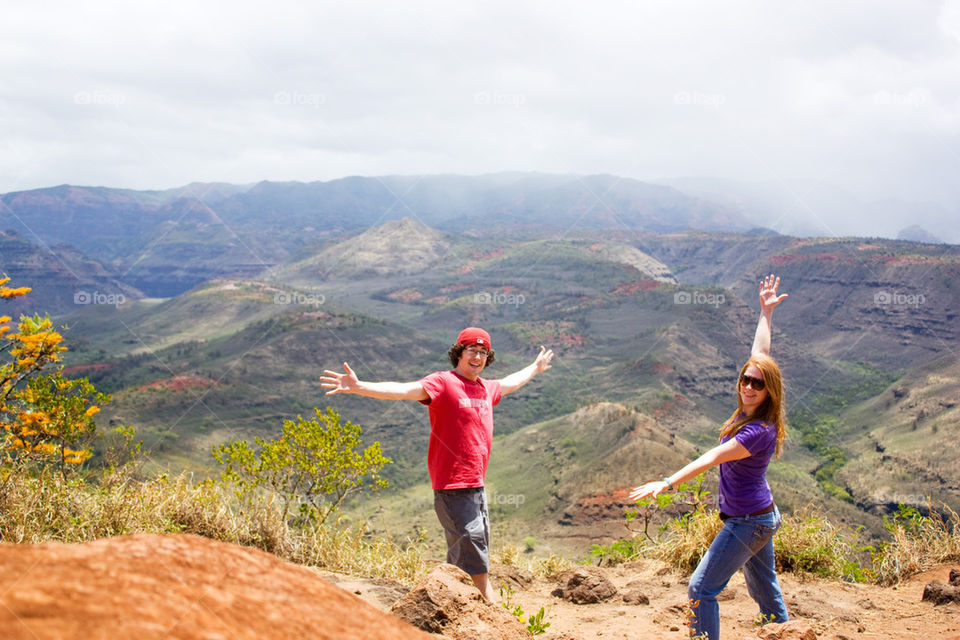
461,434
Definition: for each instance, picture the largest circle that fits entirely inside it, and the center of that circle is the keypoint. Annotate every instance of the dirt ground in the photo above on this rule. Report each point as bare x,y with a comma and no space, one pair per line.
835,610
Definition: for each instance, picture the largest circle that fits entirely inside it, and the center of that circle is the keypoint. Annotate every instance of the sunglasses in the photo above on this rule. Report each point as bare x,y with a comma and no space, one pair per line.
757,383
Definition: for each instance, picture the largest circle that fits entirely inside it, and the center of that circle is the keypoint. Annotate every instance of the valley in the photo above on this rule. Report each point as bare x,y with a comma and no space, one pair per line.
224,328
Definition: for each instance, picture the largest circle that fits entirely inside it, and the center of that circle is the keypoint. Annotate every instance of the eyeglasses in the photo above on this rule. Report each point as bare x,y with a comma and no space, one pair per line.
483,353
757,383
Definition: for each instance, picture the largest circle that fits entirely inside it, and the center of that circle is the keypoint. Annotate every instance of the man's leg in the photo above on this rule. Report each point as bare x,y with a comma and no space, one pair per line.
482,583
466,526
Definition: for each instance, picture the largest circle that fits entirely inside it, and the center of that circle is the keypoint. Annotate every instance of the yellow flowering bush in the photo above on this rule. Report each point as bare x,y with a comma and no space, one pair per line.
45,418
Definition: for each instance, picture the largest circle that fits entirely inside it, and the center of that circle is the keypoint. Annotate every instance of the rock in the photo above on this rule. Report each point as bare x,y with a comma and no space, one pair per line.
505,575
792,630
446,602
955,577
584,585
940,593
175,586
635,596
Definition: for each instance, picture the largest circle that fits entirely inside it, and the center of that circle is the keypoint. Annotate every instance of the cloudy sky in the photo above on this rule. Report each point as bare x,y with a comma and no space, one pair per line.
806,97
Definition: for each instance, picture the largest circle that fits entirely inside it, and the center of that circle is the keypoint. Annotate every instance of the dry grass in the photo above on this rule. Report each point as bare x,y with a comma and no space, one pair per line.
808,543
688,538
514,556
50,508
919,543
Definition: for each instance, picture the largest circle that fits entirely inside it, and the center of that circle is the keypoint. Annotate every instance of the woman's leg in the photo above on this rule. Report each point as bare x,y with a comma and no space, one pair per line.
760,573
727,553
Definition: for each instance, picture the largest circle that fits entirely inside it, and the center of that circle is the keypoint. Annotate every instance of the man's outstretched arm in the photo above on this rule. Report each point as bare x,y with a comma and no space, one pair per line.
516,380
348,383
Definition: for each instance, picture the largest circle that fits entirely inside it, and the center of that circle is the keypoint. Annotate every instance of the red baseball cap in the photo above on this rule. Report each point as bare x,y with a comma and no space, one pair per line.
474,335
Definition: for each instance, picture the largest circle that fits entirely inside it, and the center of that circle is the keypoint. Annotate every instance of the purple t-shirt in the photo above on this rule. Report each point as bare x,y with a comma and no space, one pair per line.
743,483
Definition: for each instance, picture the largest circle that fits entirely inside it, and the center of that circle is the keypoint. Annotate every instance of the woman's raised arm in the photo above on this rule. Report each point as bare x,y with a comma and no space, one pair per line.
768,302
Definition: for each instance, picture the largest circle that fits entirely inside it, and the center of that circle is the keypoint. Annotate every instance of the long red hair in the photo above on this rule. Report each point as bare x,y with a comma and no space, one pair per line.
772,409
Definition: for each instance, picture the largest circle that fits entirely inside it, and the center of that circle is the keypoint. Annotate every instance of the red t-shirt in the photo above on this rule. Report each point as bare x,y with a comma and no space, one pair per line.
461,428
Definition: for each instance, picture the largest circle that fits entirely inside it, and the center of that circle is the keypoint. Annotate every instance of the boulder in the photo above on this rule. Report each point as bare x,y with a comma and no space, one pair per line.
504,576
446,602
792,630
635,596
584,585
940,592
175,586
955,577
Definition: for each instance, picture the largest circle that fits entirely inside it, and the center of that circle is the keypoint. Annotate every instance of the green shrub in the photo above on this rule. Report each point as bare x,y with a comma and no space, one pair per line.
315,463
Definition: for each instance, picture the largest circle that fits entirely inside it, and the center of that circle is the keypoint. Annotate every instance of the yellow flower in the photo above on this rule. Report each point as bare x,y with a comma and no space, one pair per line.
91,411
71,456
7,292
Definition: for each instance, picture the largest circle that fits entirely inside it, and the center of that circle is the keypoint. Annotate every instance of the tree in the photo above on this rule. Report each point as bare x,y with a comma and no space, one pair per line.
315,463
45,417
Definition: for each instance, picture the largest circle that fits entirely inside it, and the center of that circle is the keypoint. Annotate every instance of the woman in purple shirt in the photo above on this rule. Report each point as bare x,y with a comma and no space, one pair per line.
753,434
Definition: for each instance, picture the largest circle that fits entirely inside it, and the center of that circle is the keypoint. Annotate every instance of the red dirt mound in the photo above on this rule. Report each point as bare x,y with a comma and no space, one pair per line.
176,586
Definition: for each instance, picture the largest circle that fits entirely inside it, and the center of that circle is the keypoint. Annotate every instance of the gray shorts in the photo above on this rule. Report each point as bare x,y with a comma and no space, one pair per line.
463,515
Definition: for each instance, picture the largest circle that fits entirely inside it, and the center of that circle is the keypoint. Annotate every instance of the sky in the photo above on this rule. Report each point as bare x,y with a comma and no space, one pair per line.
856,103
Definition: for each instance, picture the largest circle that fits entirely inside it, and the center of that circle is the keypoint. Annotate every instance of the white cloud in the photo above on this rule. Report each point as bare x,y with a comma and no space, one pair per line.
152,96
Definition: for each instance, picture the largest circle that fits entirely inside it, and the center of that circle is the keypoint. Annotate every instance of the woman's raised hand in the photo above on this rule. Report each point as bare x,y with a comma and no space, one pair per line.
768,293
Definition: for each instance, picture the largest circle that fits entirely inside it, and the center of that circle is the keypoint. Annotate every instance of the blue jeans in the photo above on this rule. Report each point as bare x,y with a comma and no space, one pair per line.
747,543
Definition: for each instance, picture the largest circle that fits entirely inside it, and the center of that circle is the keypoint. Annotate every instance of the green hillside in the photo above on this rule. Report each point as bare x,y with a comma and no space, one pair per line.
649,332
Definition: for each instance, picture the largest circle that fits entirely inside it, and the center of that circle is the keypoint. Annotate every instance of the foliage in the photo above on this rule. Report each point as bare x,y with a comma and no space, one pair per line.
46,417
535,623
808,543
819,427
315,463
618,551
919,542
819,435
681,531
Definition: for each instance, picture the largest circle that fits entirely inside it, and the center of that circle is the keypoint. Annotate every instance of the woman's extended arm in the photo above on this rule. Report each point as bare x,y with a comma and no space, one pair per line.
348,383
729,450
768,302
